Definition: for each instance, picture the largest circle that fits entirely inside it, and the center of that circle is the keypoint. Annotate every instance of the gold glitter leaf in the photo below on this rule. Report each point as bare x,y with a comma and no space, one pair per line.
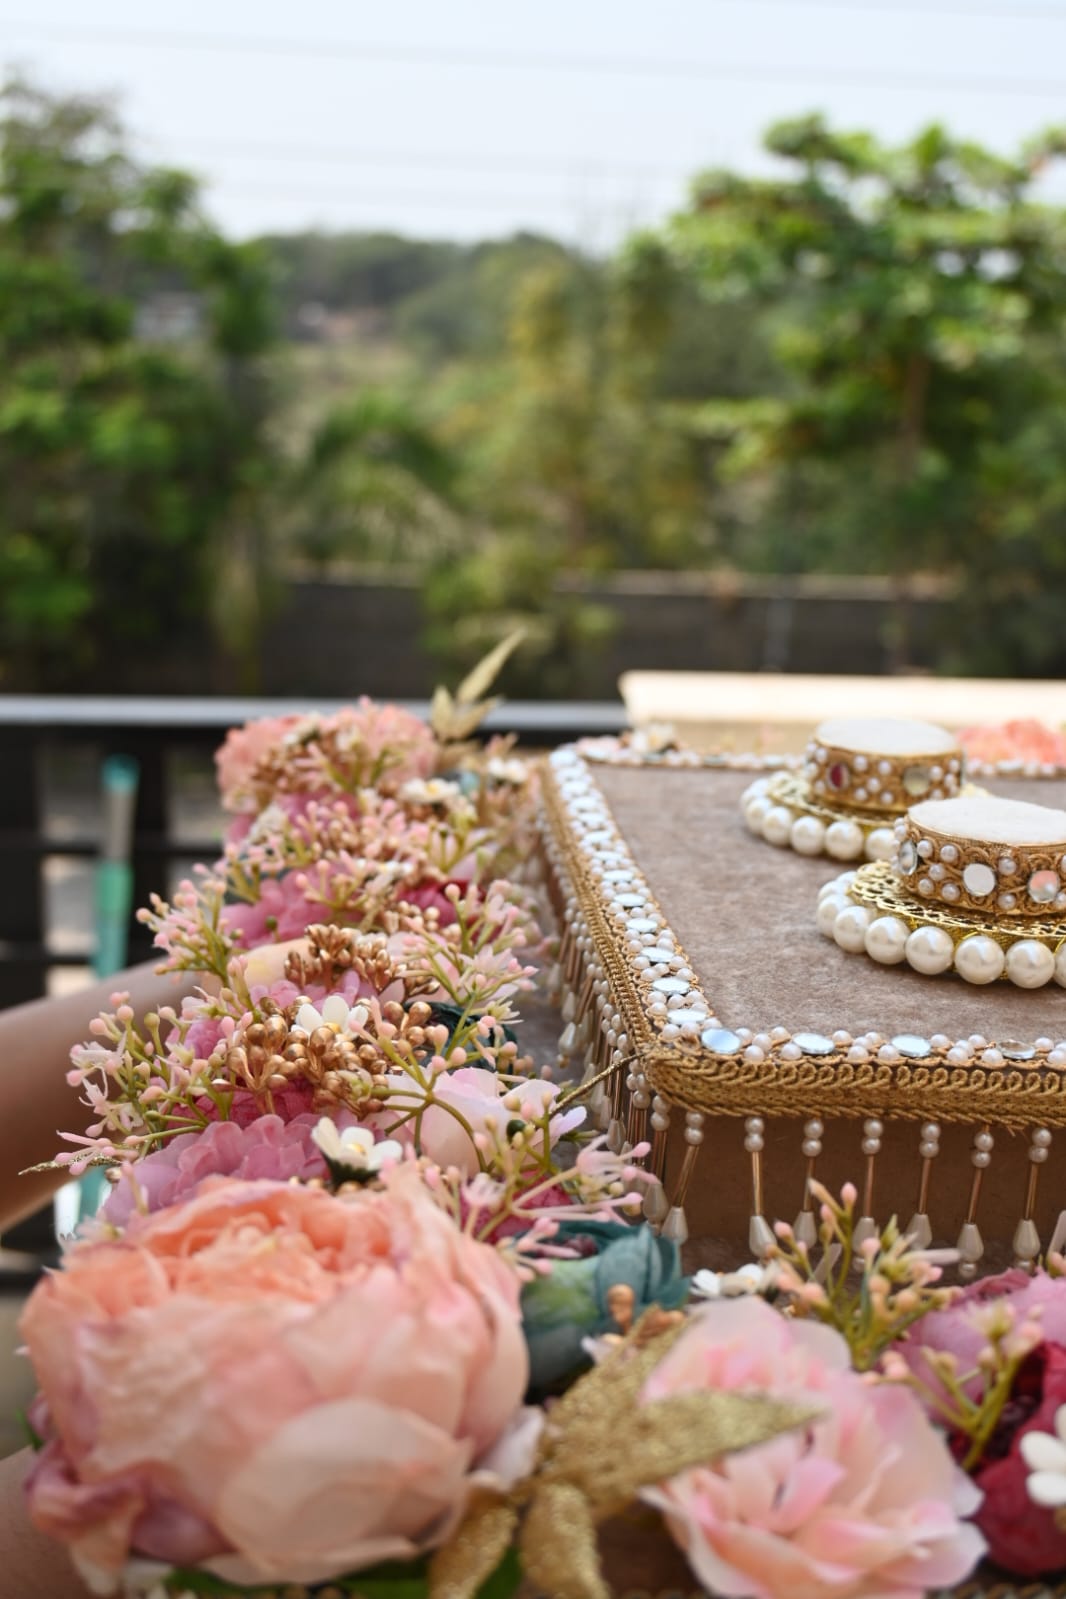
558,1544
474,1550
598,1448
657,1440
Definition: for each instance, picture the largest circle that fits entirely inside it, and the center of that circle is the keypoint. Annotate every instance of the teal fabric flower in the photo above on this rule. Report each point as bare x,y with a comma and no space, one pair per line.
570,1304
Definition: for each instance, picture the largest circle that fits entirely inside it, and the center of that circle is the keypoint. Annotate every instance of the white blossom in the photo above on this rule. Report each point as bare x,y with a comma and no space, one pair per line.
1045,1455
354,1148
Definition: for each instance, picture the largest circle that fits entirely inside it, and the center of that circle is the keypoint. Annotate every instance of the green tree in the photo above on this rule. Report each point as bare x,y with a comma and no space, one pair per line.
375,485
916,297
133,406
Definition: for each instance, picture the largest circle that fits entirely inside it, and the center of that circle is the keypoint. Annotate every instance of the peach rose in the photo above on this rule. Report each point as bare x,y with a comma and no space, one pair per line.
864,1502
277,1383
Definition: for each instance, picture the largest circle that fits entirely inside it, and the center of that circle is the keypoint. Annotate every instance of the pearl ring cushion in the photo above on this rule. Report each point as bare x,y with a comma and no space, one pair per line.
978,886
859,775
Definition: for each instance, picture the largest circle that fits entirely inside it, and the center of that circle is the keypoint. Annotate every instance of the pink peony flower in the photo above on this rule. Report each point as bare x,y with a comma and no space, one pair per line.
957,1330
866,1501
275,1382
267,1147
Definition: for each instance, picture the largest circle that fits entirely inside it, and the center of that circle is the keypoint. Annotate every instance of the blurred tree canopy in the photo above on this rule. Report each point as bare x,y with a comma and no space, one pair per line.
855,365
133,404
916,299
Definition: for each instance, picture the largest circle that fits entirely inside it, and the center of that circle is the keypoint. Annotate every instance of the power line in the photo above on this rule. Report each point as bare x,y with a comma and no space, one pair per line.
536,60
437,198
430,160
972,9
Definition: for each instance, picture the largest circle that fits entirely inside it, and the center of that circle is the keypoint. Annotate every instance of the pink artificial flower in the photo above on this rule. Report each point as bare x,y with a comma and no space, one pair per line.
1026,740
433,896
486,1104
363,745
239,754
283,912
864,1501
957,1330
267,1147
275,1382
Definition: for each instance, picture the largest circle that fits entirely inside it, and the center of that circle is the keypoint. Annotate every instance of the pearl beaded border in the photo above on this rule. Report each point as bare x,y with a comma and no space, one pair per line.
780,810
868,912
614,750
590,838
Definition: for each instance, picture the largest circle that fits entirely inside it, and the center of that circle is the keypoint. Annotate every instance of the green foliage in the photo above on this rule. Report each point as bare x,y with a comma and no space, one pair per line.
915,295
375,484
127,460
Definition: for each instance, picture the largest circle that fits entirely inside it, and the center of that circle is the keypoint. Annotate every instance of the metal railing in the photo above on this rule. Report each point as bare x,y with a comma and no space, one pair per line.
150,731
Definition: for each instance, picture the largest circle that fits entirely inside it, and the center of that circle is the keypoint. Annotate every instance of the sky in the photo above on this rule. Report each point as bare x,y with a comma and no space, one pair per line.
471,119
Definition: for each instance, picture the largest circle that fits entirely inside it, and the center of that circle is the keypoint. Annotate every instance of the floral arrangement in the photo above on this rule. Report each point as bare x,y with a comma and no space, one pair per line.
1026,741
370,1306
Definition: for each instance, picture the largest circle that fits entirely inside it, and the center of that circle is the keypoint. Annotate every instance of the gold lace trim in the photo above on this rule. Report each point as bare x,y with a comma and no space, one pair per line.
878,886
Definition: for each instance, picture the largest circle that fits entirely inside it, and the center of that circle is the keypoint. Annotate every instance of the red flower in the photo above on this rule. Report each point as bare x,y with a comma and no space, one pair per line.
1022,1536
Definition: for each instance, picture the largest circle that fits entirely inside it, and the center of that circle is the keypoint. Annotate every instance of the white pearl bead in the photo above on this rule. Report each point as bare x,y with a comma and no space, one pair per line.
1029,964
844,841
886,940
754,812
811,1148
880,844
979,959
849,929
777,825
929,950
1060,965
829,910
808,835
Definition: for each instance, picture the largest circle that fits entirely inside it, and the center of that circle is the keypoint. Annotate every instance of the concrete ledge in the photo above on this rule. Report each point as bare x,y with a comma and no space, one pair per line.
795,702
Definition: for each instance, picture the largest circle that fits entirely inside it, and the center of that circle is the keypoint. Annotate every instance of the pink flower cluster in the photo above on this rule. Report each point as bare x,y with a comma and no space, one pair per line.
185,1368
360,746
268,1148
1025,740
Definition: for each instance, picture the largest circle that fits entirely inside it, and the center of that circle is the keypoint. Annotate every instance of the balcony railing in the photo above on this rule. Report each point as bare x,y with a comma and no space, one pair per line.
35,728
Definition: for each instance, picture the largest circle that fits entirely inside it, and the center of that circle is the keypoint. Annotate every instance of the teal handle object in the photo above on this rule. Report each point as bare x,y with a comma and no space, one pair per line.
112,903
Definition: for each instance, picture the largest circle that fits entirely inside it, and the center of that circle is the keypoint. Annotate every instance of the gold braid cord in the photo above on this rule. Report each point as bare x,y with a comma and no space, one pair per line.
785,1079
